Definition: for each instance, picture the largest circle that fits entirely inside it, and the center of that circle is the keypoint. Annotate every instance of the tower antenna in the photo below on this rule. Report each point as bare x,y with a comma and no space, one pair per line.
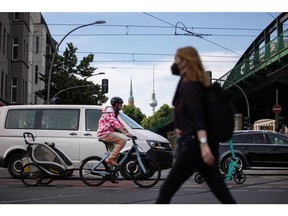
153,103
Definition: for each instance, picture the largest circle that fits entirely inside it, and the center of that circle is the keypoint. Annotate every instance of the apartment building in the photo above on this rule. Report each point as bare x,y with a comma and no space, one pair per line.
24,41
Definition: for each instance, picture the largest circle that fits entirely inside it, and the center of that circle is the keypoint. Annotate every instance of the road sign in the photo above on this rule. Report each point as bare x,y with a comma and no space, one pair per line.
276,108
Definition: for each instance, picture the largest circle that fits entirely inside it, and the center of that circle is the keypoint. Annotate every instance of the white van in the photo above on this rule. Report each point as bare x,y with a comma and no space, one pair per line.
73,130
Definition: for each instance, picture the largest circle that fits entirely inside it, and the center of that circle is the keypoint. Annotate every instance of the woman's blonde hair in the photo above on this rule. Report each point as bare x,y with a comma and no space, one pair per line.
196,71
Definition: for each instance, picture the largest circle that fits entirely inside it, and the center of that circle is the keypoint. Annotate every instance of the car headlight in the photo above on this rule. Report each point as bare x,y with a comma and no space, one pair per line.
155,144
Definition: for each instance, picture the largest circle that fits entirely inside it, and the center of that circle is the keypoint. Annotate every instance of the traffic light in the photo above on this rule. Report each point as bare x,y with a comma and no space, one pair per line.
246,123
280,121
104,86
209,75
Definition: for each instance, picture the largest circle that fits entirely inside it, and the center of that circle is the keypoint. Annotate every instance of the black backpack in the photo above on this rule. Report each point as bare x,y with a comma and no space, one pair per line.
220,113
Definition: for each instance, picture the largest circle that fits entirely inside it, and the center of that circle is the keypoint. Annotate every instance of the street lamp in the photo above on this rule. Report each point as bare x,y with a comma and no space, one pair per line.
57,49
100,73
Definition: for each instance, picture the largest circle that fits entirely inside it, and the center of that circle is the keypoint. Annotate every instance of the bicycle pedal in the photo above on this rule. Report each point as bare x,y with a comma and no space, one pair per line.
115,182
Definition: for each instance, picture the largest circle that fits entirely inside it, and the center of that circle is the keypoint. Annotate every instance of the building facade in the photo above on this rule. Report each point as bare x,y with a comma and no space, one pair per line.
24,41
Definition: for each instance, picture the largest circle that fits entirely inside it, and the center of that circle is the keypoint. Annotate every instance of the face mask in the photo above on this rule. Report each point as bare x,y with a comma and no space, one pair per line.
175,70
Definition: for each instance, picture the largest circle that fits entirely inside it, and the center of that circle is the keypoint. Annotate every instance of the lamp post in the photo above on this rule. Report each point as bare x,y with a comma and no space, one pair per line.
56,51
74,87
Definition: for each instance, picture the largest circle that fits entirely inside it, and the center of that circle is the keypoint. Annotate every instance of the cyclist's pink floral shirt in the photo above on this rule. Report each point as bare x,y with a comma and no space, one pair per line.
108,122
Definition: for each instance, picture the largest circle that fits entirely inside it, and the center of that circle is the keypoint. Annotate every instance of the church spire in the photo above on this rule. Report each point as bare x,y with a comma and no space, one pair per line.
131,98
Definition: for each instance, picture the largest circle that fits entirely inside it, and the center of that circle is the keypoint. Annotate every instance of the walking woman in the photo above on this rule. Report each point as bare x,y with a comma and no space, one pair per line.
194,151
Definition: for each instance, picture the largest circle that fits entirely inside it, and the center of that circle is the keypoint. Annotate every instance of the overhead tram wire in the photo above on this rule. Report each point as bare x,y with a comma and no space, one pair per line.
192,33
163,34
157,34
165,27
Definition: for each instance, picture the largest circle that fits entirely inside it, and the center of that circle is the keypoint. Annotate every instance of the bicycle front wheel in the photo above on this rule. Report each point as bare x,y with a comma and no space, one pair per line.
31,175
145,178
93,171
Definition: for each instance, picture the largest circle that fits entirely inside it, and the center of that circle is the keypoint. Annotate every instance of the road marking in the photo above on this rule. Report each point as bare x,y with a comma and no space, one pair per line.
271,190
195,189
259,186
240,190
60,196
111,188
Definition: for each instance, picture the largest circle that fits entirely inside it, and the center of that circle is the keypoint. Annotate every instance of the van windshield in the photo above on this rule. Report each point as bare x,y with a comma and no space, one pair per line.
129,121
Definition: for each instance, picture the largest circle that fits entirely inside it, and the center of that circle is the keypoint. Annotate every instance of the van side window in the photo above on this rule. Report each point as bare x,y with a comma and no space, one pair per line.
92,117
60,119
18,119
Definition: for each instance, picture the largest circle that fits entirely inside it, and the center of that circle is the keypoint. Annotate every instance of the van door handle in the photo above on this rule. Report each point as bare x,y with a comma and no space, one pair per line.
73,134
87,134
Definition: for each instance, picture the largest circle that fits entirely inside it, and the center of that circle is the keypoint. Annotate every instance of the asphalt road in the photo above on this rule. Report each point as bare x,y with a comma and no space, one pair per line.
260,187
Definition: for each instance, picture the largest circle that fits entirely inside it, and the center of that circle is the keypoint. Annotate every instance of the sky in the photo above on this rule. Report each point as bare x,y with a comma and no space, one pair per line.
134,45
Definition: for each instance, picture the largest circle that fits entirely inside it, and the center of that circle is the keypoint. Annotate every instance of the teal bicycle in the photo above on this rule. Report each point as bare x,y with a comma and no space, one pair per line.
144,171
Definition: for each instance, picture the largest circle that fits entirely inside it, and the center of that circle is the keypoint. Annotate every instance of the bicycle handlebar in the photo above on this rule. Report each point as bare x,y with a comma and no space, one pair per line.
28,135
134,137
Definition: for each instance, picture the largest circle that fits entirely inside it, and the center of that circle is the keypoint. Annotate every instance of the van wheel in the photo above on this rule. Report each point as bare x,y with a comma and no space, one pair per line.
15,165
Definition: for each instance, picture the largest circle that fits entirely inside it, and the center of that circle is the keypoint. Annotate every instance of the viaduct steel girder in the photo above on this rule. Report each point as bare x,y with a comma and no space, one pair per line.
262,70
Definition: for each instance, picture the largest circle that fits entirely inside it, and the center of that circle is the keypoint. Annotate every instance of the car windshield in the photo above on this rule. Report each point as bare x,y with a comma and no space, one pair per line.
129,121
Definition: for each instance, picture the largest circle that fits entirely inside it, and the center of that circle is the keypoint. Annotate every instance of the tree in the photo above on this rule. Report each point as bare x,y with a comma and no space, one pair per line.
160,115
134,113
66,73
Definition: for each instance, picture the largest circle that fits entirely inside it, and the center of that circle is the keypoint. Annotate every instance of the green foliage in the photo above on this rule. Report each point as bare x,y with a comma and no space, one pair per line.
134,113
68,73
163,112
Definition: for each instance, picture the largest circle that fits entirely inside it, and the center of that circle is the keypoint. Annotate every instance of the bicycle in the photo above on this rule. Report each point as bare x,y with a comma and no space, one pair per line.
144,171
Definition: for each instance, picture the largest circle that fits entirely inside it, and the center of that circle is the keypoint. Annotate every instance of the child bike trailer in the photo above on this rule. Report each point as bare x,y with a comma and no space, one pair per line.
43,162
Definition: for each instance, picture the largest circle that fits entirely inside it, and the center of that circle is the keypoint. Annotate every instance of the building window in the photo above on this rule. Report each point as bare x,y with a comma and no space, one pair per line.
7,47
4,41
2,84
13,90
6,92
0,34
26,53
15,49
36,74
16,16
25,91
35,99
24,49
37,45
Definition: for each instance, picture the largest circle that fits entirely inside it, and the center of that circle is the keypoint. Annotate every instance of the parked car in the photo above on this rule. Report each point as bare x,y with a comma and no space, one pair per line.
73,129
256,149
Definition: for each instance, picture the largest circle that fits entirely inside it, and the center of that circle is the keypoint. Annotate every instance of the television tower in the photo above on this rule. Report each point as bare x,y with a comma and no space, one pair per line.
153,103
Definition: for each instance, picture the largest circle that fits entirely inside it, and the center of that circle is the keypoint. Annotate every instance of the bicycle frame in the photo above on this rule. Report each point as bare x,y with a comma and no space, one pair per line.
233,163
134,150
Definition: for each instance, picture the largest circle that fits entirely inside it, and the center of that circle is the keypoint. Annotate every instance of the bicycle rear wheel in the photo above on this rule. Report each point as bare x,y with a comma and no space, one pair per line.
31,175
148,179
92,175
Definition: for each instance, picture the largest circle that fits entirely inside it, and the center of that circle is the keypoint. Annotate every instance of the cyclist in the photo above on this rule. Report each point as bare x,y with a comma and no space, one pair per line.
107,125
